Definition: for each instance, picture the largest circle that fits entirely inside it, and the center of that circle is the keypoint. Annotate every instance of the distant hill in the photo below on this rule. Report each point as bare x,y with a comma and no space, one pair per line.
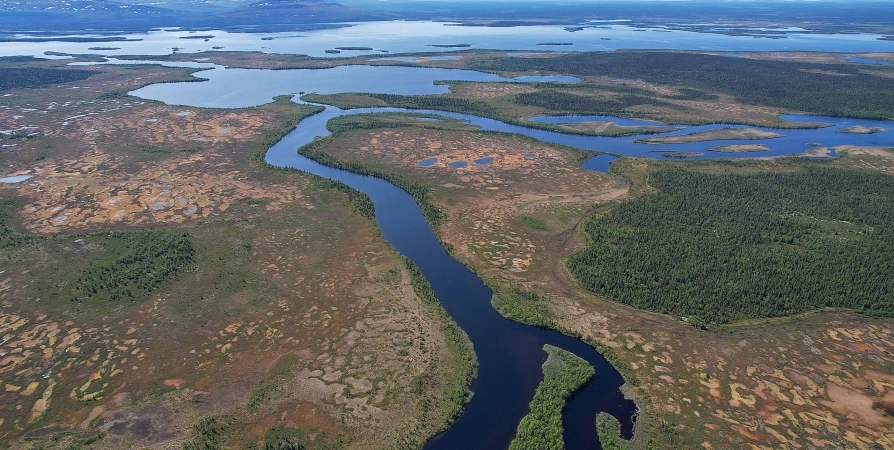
126,15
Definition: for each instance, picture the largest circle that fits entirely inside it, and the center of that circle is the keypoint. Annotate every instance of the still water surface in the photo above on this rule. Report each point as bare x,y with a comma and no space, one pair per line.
422,36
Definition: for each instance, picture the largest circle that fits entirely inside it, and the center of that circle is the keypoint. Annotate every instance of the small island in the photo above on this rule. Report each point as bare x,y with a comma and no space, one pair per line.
359,49
450,45
740,148
678,154
860,129
723,134
556,43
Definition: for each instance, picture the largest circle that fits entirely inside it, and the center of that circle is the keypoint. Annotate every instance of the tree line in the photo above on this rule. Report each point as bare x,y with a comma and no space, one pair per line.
32,77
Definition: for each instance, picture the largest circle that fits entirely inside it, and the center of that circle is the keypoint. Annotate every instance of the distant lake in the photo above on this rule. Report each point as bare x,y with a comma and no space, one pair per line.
238,88
419,36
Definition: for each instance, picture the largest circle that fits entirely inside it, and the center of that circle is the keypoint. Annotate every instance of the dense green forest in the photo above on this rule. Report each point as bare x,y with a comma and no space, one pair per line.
563,374
609,430
145,258
563,101
523,306
32,77
719,248
844,90
10,234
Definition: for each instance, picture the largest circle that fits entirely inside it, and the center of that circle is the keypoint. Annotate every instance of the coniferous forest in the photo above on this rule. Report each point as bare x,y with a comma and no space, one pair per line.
32,77
720,248
827,89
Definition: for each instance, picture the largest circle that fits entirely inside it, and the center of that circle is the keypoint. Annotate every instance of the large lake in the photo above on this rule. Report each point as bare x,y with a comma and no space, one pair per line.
406,37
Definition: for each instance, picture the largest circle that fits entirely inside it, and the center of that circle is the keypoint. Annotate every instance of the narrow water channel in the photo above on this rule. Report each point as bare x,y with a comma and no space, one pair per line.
510,354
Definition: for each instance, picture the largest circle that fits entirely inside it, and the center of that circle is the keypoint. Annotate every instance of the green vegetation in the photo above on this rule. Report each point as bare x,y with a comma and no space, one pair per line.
32,77
261,395
82,443
476,107
609,430
473,107
269,388
563,374
143,260
420,192
126,265
357,200
207,434
563,101
523,306
798,86
283,438
292,114
456,393
719,248
532,222
10,235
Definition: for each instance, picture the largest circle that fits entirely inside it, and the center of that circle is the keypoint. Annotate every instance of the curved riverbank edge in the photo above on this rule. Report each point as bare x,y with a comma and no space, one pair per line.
457,391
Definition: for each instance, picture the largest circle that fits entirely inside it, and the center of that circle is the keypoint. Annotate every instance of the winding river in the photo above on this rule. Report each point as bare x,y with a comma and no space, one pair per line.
510,354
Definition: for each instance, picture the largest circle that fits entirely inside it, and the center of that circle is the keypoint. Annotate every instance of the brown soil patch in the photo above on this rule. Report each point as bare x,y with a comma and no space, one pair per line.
522,177
96,190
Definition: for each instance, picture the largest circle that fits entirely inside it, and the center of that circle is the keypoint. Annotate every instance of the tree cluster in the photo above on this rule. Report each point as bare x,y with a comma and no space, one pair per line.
32,77
145,259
